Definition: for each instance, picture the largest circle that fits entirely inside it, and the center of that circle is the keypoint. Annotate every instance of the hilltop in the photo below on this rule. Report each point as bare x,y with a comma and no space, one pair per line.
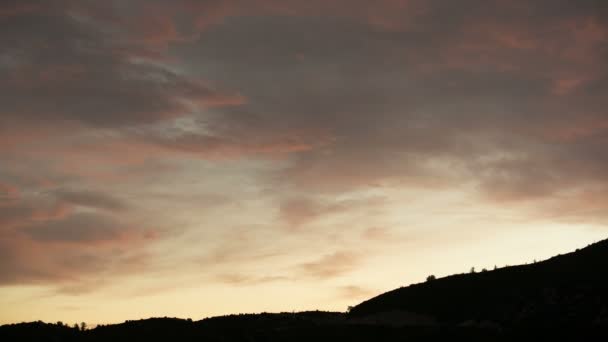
567,289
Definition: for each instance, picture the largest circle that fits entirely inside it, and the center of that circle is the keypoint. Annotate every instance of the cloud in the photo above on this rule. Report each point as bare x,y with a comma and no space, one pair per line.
580,206
234,144
330,265
91,199
66,268
377,234
78,227
472,89
238,279
89,77
27,211
297,211
8,192
48,240
353,292
11,8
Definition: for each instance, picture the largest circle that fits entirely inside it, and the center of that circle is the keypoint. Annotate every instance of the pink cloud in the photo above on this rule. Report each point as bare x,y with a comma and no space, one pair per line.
9,192
48,242
568,131
22,212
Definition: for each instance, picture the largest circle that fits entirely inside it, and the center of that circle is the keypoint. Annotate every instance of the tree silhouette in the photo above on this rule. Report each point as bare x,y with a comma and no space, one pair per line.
83,326
431,278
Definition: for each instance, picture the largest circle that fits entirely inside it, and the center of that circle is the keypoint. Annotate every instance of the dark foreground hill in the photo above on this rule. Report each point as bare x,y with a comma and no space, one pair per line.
306,326
566,290
564,297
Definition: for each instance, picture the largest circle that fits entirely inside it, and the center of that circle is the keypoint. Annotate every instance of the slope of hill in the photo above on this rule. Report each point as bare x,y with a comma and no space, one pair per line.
567,289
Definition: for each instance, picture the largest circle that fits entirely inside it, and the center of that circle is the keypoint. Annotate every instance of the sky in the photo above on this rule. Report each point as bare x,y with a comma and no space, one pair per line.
197,158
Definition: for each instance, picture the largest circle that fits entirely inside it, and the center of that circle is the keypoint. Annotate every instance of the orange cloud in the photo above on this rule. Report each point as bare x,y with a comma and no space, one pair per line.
247,280
297,211
330,265
352,292
377,234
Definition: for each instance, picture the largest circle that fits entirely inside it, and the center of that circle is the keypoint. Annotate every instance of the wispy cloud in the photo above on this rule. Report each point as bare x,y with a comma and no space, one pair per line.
330,265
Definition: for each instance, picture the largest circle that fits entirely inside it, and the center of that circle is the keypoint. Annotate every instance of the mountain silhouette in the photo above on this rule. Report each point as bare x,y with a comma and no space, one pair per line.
568,289
564,297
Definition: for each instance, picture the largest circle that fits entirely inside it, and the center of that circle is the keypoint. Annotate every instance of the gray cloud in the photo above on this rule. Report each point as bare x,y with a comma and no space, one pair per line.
296,211
91,199
78,72
17,213
8,192
78,227
435,103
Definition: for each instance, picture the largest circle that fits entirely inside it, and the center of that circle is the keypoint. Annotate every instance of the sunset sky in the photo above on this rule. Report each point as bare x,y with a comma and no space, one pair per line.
195,158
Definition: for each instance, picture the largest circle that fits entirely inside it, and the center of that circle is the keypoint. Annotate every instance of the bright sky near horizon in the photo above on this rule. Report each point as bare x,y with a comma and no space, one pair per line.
196,158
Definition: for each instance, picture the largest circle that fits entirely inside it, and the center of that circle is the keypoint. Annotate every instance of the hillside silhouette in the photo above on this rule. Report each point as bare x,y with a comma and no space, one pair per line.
562,297
568,289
